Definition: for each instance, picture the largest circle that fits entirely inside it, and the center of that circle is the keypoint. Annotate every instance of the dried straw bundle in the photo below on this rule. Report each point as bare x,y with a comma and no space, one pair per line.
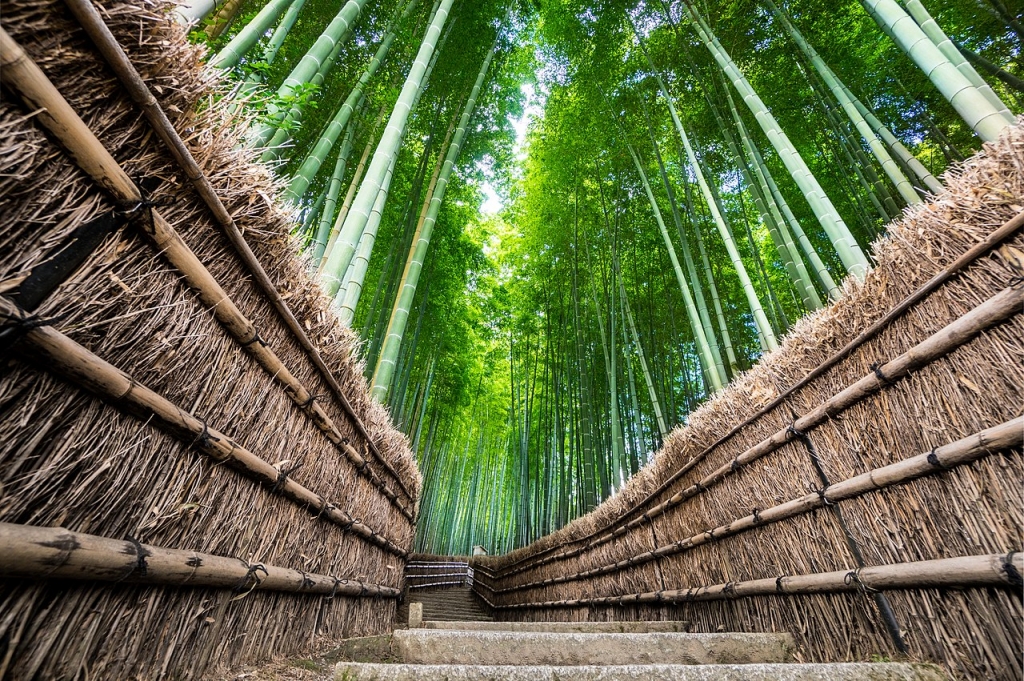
69,459
728,502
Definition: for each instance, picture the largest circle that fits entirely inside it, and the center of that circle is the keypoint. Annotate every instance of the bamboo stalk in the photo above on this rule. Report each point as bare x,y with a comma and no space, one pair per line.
56,553
969,449
26,79
63,356
995,570
996,238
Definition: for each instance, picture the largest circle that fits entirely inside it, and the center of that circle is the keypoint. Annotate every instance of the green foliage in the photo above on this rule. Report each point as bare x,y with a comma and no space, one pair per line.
504,381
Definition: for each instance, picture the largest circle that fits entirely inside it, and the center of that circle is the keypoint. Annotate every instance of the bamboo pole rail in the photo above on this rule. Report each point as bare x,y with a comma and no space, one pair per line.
63,356
967,450
979,250
56,553
990,313
28,81
995,570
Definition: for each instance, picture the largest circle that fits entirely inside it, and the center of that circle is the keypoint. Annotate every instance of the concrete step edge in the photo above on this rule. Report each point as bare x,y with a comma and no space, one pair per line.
346,671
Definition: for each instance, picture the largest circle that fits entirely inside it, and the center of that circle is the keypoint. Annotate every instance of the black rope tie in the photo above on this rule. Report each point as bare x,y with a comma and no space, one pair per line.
795,433
729,589
252,572
309,402
933,459
16,327
735,466
778,584
820,491
1011,571
711,534
307,581
282,476
877,369
853,577
140,556
334,589
256,338
757,515
205,439
699,487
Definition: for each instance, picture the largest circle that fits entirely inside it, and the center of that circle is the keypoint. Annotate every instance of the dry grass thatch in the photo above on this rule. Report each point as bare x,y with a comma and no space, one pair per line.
704,527
70,459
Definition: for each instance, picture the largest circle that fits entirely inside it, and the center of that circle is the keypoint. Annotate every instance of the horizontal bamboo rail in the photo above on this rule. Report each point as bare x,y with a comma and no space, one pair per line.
29,82
63,356
982,248
967,450
56,553
996,570
990,313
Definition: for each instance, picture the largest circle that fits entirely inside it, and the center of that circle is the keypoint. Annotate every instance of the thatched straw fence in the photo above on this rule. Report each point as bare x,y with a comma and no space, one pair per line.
192,474
861,488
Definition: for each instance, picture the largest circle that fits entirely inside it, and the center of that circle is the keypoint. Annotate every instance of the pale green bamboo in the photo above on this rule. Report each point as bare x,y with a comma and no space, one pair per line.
245,39
659,416
846,246
195,11
889,166
355,222
935,33
972,105
333,189
347,298
350,194
253,80
897,147
703,347
339,122
316,62
384,371
760,319
702,305
763,173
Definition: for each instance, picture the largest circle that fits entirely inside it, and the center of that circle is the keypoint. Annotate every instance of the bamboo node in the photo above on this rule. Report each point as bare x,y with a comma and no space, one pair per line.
1011,571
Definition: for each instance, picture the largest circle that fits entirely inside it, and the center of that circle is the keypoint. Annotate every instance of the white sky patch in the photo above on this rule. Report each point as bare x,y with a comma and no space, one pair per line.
534,108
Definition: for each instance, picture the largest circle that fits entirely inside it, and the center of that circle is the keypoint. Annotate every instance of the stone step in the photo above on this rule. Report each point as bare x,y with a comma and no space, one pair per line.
432,646
565,627
347,671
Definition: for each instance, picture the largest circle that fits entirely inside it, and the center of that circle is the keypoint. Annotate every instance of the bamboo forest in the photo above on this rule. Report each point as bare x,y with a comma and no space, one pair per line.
560,226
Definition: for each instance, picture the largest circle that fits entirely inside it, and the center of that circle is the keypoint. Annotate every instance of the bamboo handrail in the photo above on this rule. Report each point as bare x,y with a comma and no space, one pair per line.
83,368
994,570
23,76
997,309
1004,232
35,553
967,450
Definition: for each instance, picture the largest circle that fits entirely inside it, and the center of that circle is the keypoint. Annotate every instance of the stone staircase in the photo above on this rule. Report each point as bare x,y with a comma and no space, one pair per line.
456,604
601,651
